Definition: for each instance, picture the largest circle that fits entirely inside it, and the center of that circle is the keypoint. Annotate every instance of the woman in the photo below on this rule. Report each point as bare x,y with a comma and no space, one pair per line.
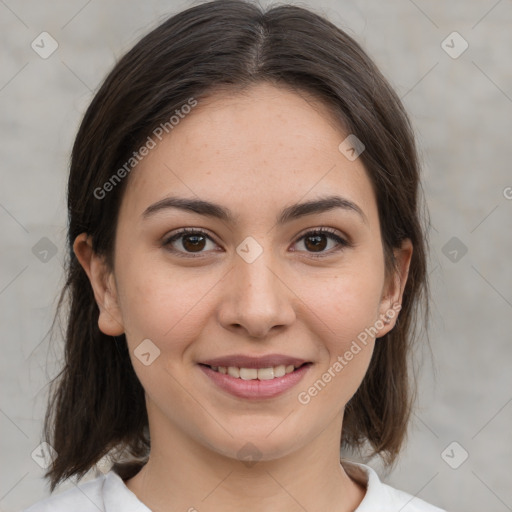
246,262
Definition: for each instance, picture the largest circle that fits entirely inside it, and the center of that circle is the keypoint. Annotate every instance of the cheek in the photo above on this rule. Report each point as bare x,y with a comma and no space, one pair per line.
164,304
347,313
166,307
348,302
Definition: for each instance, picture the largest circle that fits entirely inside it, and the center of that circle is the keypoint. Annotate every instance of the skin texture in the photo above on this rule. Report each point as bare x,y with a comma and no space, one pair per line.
254,153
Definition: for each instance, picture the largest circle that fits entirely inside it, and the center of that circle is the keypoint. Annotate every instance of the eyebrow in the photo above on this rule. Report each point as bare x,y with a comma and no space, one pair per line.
296,211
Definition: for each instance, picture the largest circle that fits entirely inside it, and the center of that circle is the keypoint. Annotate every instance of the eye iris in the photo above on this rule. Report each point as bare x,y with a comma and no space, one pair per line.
318,245
195,244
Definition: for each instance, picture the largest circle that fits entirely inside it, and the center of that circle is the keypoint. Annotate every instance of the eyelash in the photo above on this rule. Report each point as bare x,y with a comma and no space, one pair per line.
330,233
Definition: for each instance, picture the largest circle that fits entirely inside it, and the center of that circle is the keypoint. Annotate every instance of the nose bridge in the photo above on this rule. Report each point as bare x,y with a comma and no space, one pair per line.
258,296
256,275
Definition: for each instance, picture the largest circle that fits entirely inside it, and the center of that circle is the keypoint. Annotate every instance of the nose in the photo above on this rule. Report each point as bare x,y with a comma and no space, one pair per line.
256,298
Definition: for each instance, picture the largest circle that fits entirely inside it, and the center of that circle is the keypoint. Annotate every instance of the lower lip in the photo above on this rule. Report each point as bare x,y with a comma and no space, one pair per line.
255,389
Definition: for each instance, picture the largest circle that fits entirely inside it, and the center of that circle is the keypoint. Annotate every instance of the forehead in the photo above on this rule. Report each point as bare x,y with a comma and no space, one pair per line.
253,152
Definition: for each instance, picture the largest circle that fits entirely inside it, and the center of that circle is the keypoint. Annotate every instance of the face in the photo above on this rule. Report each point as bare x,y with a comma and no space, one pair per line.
263,281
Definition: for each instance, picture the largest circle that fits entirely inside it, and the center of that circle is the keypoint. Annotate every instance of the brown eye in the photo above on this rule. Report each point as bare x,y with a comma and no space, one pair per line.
316,242
192,241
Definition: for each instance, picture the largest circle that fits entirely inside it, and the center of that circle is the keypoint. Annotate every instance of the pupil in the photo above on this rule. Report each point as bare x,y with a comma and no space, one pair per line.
195,244
318,243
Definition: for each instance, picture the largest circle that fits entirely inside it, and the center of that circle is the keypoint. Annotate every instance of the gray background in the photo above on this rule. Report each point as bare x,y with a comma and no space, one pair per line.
461,108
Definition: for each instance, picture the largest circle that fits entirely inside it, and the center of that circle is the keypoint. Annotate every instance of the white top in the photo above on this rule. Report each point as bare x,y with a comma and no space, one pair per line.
108,493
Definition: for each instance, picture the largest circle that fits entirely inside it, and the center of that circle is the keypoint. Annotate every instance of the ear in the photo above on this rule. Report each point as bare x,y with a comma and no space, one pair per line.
391,301
102,281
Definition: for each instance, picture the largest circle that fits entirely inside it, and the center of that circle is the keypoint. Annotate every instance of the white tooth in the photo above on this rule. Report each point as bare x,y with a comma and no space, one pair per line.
248,373
256,373
266,373
279,371
215,368
234,371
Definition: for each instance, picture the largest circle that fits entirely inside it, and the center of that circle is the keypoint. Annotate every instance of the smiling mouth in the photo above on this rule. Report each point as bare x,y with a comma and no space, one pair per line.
270,373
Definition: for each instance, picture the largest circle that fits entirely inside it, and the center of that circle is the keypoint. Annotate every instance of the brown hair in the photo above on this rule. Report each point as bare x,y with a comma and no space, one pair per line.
97,404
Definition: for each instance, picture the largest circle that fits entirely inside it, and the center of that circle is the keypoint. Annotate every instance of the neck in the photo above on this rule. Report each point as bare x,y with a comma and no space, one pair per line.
186,475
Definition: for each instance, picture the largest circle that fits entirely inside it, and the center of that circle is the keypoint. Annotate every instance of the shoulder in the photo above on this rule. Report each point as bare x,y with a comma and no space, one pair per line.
383,497
106,493
405,502
81,498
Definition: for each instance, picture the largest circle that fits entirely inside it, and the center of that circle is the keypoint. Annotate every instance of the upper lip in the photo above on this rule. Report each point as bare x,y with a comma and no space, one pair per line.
243,361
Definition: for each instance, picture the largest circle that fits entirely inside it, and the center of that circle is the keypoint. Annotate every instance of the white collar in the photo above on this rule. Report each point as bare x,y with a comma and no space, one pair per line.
379,496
